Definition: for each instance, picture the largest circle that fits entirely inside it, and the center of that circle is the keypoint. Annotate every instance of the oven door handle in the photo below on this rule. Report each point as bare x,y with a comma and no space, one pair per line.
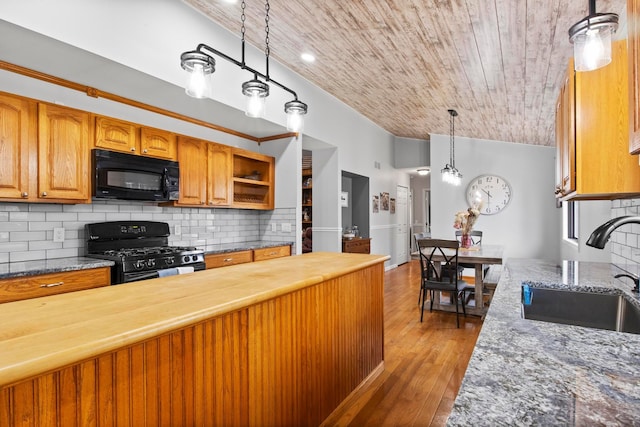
149,275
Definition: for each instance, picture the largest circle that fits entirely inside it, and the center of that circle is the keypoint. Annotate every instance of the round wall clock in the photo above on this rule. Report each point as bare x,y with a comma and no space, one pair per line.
494,192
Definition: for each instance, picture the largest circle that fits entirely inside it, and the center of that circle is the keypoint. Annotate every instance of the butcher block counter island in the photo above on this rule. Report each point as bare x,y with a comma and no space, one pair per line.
280,342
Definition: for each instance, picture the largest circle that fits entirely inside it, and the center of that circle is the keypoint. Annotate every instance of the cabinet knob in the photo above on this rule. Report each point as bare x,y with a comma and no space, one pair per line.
133,148
25,194
44,194
145,151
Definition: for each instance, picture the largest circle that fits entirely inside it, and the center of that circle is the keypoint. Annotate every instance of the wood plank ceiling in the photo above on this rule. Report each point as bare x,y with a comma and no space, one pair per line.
403,63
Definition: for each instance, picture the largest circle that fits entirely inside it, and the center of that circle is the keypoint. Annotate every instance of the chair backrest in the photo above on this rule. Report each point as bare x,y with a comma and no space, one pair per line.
476,236
417,236
447,250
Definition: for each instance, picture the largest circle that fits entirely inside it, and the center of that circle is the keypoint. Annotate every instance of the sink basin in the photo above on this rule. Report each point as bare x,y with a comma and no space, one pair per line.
589,309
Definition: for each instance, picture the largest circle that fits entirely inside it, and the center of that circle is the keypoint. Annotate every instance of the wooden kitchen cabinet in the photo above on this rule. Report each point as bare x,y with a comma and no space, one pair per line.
633,46
192,156
249,255
595,163
44,152
228,258
263,254
359,245
253,178
63,154
218,175
25,287
18,121
119,135
565,135
205,173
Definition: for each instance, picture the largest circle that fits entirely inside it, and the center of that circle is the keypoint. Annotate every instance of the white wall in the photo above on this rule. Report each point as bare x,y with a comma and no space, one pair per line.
530,225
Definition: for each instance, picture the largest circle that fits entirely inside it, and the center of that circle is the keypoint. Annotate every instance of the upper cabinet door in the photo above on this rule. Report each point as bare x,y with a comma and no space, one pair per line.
63,153
158,143
192,156
219,175
117,135
633,15
17,132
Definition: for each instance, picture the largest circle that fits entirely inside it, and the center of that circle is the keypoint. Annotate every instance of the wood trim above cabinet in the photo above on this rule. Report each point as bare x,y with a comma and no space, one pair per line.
633,31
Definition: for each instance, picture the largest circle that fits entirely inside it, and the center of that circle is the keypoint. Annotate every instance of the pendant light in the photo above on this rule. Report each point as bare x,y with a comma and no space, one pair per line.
450,174
199,64
591,38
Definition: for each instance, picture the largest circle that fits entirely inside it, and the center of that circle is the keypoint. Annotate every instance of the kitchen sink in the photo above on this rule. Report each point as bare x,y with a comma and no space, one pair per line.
588,309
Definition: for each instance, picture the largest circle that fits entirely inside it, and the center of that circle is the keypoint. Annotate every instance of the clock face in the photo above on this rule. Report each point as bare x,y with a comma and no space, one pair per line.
493,191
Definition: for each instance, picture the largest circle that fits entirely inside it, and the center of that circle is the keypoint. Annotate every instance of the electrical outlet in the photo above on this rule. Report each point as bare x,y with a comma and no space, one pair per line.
286,227
58,234
274,227
177,230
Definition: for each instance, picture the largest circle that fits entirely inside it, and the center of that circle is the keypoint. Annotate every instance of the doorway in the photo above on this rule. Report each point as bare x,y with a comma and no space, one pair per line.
402,228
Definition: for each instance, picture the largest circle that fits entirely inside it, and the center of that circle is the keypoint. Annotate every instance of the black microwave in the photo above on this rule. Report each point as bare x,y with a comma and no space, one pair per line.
131,177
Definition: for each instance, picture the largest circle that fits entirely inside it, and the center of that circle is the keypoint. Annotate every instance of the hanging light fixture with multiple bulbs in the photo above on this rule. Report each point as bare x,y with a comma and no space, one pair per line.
200,64
450,174
591,38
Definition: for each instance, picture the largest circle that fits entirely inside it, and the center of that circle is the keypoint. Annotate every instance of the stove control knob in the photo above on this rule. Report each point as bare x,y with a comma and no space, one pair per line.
194,257
139,264
170,260
186,258
151,262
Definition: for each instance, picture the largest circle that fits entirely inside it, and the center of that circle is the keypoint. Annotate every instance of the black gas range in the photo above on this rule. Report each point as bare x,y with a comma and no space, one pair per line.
140,250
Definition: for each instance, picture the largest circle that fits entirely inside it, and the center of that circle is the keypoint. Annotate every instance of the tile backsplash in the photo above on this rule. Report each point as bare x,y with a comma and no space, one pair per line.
27,229
625,241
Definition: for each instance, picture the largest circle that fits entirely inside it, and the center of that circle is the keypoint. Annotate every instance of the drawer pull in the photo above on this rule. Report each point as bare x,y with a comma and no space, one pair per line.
51,285
272,253
228,259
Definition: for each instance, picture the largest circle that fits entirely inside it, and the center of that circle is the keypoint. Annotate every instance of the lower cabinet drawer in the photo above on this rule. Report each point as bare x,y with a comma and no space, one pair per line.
41,285
358,246
229,258
268,253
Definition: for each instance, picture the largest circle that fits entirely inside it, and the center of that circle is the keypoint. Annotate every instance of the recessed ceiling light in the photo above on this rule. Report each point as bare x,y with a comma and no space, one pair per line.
308,57
423,172
231,1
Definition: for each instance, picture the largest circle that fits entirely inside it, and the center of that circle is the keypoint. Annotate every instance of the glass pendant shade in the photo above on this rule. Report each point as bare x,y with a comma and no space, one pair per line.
295,111
256,93
592,49
199,68
591,38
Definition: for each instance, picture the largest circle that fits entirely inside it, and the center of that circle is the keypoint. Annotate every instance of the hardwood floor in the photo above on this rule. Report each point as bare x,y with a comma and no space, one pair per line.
424,362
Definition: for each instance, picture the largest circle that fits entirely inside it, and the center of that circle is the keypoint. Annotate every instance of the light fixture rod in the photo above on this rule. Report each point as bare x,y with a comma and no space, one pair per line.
203,47
592,7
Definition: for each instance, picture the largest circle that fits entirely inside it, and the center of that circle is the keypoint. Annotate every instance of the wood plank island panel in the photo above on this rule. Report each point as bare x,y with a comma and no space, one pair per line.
289,358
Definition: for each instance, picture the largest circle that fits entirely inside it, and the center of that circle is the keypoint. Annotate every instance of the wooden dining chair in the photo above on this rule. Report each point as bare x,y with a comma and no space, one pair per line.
440,276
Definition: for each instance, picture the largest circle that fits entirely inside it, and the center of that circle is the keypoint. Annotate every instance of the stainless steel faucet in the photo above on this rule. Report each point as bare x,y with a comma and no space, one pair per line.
600,235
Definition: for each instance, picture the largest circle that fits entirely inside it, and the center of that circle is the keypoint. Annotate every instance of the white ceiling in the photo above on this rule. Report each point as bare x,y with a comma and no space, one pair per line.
403,63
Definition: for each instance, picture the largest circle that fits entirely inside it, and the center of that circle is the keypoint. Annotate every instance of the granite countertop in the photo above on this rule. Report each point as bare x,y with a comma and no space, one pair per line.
243,246
57,265
527,372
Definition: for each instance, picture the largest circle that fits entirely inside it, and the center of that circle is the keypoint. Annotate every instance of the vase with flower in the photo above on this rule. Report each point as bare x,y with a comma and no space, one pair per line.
464,221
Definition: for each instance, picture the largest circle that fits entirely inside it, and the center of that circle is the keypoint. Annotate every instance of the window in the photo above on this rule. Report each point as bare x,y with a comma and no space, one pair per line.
571,221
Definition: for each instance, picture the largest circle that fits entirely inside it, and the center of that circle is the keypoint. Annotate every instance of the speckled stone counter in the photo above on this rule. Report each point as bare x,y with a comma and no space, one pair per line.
526,372
243,246
29,268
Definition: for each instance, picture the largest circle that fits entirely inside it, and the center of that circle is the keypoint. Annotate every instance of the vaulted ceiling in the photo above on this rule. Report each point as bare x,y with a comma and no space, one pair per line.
403,63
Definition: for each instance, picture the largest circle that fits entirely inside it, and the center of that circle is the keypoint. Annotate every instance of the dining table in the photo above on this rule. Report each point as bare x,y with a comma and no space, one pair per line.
480,256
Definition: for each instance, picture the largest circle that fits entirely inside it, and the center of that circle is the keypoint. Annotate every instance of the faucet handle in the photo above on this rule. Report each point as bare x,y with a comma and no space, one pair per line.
635,279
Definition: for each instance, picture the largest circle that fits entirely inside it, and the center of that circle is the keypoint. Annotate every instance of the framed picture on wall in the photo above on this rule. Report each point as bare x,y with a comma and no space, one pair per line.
376,202
392,205
384,200
344,199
